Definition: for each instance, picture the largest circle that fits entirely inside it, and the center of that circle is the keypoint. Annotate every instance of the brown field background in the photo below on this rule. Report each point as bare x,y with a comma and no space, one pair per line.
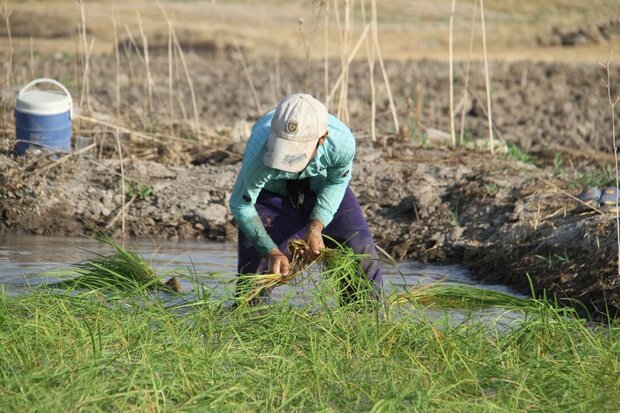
408,29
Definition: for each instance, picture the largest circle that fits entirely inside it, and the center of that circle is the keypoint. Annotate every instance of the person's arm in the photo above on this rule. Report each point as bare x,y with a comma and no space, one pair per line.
251,179
330,195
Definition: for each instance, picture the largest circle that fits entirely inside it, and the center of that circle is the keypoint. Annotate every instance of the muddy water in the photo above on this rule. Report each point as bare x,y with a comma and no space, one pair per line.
29,260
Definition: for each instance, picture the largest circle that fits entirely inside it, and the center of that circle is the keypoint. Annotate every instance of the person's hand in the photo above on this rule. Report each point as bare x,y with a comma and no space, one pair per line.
314,237
278,262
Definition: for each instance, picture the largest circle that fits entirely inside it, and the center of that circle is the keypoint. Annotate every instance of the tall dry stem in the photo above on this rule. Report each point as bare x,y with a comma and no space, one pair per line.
326,46
344,90
467,72
85,93
118,65
147,67
341,44
370,54
120,157
170,65
375,37
452,131
31,57
612,108
486,77
6,13
84,99
308,44
348,61
248,77
189,80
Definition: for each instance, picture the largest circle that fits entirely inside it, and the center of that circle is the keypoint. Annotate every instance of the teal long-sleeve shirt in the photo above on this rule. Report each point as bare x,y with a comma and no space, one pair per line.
329,172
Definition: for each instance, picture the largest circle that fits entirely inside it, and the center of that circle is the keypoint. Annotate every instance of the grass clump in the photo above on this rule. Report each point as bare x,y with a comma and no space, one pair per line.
517,154
444,295
122,271
596,177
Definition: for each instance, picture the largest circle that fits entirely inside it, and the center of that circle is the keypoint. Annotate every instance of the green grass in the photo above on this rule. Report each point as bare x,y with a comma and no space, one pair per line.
598,177
61,352
517,154
85,350
124,272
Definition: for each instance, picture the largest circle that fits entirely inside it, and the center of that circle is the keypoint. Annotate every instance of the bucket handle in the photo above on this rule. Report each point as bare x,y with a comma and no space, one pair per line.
55,83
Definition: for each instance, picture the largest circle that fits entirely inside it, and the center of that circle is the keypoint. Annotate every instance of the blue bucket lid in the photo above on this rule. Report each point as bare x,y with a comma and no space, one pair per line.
43,102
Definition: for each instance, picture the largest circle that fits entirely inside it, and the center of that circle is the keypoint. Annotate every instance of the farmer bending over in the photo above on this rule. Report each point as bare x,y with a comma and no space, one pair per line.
294,183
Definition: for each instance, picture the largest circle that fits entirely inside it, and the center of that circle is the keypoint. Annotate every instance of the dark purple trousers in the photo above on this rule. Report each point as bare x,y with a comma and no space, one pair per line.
284,223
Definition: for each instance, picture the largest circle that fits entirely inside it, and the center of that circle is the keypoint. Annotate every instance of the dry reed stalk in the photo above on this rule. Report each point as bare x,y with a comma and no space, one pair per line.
370,54
344,90
147,67
161,138
419,102
118,65
308,45
467,72
342,51
6,13
84,101
170,60
326,46
120,157
375,37
31,57
248,77
276,86
486,77
189,79
76,61
450,40
612,108
177,80
56,162
85,95
572,196
348,62
121,212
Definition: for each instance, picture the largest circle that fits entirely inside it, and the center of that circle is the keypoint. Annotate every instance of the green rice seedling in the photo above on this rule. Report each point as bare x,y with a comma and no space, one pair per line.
444,295
341,270
68,351
125,270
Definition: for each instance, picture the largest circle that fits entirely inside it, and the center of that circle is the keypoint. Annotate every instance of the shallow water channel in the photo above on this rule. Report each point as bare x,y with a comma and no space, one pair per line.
29,260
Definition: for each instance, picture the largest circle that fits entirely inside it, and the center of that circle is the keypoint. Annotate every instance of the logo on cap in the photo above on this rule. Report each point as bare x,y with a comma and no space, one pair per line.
291,126
295,158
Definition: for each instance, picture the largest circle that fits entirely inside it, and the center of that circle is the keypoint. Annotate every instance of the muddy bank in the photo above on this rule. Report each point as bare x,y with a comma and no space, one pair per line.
494,214
423,200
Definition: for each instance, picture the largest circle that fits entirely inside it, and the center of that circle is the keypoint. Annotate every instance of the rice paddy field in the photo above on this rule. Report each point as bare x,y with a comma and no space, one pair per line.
108,341
167,92
82,352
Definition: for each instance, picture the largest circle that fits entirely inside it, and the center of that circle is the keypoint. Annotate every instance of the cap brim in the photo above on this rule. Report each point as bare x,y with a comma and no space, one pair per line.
286,155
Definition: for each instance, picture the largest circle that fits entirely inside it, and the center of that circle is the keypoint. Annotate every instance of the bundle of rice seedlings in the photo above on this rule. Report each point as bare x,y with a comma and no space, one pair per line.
445,295
124,270
341,269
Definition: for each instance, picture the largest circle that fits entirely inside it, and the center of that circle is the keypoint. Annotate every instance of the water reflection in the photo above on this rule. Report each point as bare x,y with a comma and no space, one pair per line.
24,257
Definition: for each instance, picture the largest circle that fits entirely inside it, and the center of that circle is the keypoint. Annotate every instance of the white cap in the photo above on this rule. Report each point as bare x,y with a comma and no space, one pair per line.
297,124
